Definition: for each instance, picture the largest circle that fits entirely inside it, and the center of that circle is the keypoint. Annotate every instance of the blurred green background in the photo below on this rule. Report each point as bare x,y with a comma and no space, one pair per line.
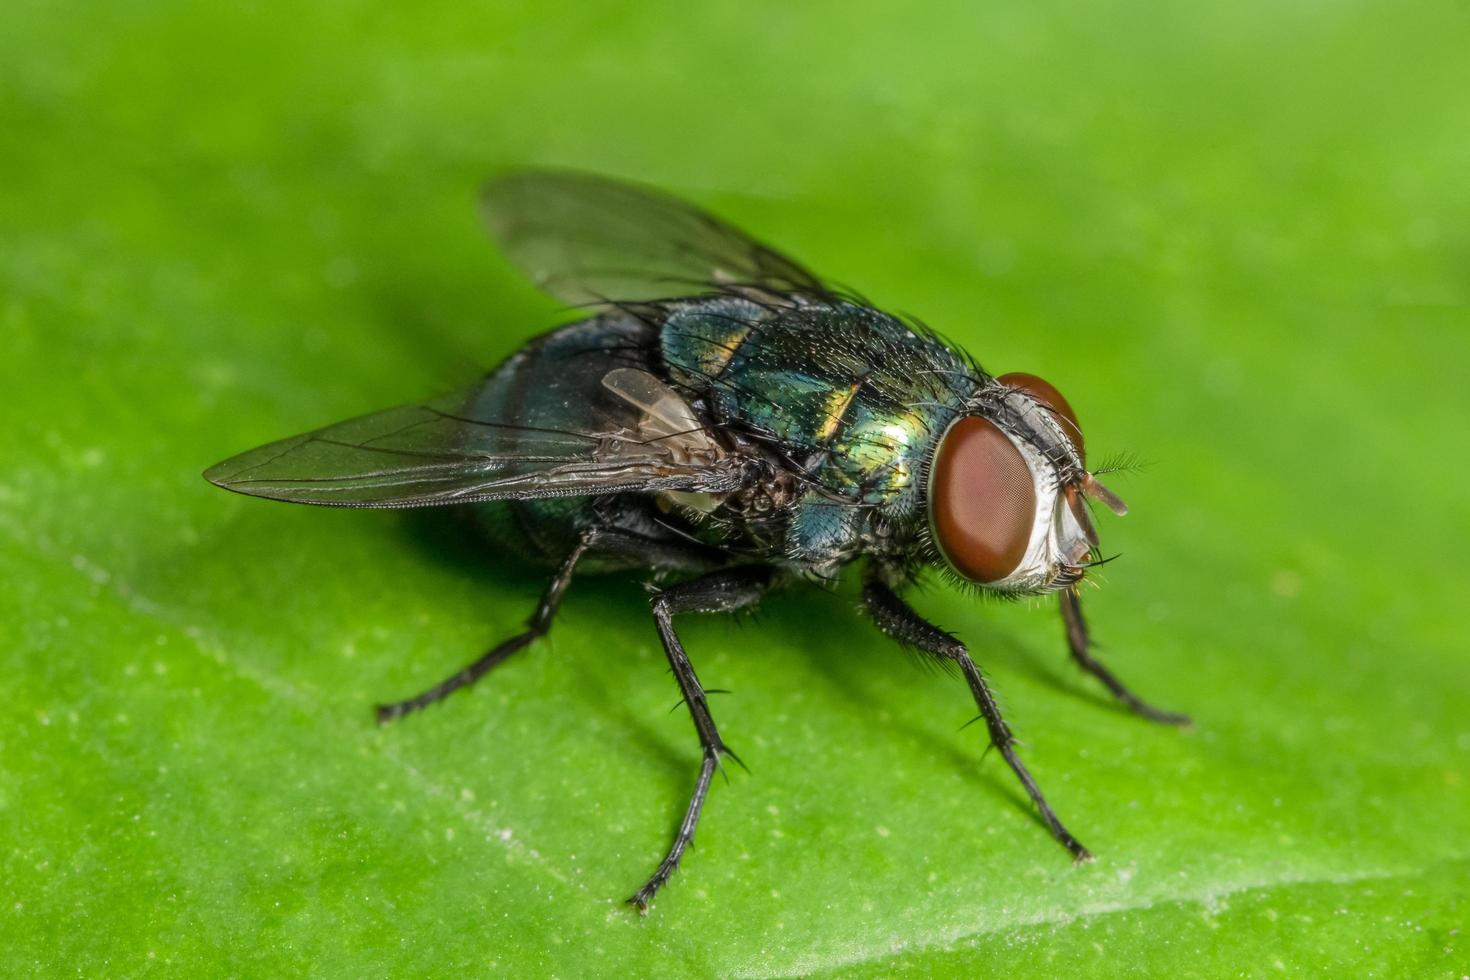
1237,236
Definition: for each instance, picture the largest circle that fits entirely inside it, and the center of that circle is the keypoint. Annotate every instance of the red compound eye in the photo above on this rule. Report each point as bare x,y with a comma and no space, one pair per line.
983,500
1044,393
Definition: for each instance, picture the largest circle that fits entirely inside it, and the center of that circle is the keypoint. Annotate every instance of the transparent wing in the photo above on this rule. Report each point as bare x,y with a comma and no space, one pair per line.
441,452
586,239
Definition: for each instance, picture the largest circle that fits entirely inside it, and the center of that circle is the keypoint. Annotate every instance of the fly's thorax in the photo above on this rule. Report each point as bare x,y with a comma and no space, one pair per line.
847,399
1006,487
699,338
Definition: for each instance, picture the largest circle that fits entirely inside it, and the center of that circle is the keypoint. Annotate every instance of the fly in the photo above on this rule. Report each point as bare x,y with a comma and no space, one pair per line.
726,418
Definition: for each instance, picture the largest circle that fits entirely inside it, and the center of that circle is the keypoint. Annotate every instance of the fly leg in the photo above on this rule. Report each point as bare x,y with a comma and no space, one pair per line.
536,626
896,618
722,591
644,551
1079,642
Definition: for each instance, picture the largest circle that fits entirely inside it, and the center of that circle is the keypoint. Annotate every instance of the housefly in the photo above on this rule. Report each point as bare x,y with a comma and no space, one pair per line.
724,418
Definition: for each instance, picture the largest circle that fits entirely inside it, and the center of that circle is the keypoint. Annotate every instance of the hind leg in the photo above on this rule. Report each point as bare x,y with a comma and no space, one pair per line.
655,554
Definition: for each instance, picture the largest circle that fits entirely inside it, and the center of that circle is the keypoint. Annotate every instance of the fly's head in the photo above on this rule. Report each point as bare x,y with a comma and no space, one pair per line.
1008,484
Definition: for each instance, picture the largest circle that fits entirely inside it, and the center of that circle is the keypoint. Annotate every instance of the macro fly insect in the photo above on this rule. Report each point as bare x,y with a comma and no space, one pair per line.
728,420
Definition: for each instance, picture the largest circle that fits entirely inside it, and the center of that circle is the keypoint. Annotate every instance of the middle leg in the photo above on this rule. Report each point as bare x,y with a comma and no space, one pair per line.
722,591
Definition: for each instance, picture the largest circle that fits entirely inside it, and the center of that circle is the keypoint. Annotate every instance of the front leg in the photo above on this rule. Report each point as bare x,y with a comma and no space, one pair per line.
1079,642
896,618
722,591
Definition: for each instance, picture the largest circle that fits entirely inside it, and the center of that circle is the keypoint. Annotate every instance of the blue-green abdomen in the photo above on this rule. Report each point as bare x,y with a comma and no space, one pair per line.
555,383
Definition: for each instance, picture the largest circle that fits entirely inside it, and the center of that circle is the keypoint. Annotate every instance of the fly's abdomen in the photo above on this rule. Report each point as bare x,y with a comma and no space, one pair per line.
554,385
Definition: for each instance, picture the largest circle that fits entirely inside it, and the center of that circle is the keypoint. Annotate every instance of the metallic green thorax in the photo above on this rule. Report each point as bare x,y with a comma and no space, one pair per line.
853,398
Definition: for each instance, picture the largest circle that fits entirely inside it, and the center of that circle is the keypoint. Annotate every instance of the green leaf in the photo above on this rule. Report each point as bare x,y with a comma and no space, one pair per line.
1234,236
